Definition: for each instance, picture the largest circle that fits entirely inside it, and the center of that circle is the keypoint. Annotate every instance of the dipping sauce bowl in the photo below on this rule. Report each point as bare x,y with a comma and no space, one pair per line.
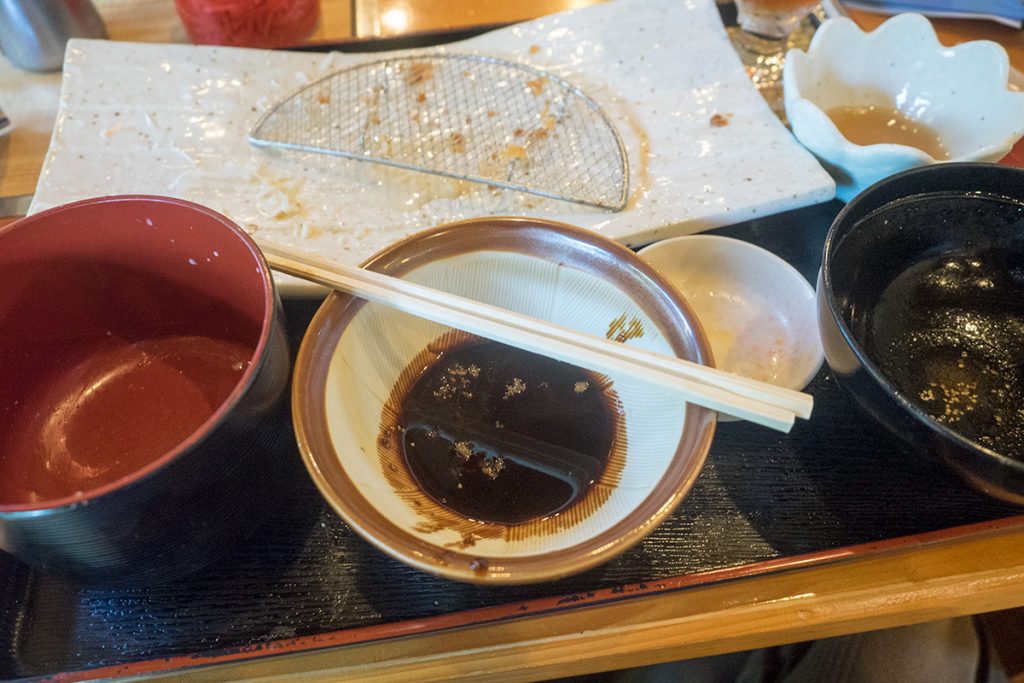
143,355
358,360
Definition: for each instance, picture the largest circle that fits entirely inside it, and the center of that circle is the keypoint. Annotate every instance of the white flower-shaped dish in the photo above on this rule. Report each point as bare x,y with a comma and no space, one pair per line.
960,93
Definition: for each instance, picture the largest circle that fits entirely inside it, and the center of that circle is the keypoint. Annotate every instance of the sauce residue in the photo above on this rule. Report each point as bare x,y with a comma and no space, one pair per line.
950,333
621,331
501,435
113,407
948,330
874,125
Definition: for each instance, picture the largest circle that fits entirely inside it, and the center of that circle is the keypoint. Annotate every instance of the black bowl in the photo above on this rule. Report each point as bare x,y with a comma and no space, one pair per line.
921,313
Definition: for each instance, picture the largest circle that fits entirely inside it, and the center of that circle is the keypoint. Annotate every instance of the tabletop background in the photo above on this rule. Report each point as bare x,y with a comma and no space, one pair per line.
51,626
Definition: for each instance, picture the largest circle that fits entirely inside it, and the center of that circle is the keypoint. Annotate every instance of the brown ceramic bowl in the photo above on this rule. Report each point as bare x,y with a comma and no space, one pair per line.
143,354
359,359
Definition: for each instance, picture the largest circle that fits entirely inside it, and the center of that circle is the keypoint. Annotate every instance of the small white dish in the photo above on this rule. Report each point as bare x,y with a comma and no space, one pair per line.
961,93
757,311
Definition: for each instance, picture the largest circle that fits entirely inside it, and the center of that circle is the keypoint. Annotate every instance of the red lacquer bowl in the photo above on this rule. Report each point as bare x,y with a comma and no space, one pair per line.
143,350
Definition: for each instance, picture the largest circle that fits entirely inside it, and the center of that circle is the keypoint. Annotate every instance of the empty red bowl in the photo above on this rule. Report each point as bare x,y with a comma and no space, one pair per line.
143,349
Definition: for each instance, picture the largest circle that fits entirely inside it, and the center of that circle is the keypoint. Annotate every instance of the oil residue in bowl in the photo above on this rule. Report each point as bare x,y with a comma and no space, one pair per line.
115,405
949,333
874,125
502,435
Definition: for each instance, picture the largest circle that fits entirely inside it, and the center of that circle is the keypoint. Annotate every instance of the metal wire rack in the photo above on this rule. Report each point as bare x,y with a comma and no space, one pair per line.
470,117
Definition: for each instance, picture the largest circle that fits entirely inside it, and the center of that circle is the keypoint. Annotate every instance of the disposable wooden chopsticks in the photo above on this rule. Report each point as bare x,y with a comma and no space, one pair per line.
747,399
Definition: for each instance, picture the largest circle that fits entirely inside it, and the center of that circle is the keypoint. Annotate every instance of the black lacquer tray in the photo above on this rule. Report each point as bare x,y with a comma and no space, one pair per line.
835,486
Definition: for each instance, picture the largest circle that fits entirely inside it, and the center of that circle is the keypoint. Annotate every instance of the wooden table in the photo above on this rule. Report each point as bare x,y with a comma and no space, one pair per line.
977,572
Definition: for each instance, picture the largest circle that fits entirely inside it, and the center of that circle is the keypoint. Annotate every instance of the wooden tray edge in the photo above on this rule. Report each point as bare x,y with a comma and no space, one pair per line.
556,605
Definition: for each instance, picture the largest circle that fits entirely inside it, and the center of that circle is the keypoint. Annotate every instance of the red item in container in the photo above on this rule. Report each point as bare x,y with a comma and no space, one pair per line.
249,23
1015,156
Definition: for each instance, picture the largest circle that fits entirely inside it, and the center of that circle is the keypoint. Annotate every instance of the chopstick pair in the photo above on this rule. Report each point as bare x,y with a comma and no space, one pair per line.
741,397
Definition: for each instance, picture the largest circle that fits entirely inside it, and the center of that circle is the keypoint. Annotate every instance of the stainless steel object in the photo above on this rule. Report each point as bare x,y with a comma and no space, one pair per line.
15,206
33,33
469,117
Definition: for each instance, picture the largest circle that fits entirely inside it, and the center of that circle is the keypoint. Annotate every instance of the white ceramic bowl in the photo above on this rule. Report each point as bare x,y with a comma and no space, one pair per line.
960,93
758,312
354,354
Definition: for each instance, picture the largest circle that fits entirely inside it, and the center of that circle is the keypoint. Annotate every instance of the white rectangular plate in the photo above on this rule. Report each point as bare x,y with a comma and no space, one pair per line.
174,119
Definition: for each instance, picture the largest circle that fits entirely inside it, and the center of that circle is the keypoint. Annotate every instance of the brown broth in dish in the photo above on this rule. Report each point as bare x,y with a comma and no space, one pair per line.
111,409
502,435
873,125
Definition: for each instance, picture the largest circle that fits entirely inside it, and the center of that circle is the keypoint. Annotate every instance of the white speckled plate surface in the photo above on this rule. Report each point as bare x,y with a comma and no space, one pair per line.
173,120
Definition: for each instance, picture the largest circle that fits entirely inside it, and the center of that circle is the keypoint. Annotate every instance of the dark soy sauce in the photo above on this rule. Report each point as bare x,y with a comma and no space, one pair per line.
949,333
503,435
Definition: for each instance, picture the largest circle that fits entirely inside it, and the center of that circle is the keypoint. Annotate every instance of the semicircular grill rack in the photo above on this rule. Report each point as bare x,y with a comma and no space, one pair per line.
469,117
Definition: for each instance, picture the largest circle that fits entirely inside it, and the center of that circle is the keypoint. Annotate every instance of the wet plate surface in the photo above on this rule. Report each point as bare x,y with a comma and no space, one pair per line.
703,148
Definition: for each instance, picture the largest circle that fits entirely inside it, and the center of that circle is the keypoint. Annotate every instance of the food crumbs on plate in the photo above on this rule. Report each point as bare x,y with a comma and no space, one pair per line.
534,49
463,449
620,331
541,133
458,143
536,86
373,99
324,99
492,465
427,527
548,121
719,121
467,540
515,152
419,72
456,381
306,231
516,387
